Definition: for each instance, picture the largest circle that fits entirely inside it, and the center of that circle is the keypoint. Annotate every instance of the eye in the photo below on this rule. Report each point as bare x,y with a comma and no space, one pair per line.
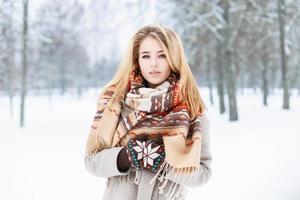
162,56
145,56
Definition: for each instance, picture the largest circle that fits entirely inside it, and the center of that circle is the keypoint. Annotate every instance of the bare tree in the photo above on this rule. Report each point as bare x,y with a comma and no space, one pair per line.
7,49
265,69
24,61
220,80
284,79
228,64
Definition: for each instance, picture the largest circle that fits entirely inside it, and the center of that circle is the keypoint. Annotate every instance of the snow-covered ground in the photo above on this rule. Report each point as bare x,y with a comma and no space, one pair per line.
255,158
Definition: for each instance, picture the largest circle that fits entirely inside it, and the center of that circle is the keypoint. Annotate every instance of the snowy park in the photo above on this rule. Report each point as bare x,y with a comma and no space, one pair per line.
243,56
254,158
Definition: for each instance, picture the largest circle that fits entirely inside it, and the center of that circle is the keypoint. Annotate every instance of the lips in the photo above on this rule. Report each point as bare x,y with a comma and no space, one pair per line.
155,72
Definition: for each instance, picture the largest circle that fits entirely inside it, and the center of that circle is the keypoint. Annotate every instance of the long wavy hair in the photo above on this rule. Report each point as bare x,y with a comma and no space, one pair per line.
173,48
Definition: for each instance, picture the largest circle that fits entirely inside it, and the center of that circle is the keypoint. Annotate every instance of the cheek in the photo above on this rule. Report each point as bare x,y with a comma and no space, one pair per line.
143,67
163,63
165,66
143,64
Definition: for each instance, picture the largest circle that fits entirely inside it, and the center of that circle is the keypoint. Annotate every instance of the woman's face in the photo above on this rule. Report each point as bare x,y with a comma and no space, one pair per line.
153,62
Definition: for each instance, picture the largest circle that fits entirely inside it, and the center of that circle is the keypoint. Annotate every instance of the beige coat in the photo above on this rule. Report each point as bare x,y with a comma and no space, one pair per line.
104,164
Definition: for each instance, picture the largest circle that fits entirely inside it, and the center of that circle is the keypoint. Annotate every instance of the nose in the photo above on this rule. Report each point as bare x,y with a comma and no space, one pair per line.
154,61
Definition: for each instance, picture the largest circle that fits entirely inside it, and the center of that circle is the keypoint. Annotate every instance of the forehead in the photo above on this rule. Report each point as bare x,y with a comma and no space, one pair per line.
150,44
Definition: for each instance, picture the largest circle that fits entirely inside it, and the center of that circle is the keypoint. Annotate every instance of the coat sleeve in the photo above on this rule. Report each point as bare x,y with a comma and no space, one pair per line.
104,163
204,173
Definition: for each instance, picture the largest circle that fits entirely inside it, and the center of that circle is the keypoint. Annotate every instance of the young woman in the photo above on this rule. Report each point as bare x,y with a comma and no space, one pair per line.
150,135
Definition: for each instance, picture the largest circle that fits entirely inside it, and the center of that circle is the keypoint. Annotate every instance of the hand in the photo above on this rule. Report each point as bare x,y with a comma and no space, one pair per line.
145,153
125,160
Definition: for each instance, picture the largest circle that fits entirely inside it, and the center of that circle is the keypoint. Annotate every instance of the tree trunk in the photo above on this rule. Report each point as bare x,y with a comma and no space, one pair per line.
11,81
242,83
208,77
233,115
11,60
230,78
62,76
285,87
264,76
265,85
79,91
24,62
220,80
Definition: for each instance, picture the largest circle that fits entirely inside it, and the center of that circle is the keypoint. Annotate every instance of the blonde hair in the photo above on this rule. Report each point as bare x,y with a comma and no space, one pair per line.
173,49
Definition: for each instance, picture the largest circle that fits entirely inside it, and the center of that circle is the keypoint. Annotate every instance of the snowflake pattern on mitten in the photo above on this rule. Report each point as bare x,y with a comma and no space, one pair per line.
146,154
153,155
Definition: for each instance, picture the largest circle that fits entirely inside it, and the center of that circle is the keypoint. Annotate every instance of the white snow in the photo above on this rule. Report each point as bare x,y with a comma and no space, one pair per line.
254,158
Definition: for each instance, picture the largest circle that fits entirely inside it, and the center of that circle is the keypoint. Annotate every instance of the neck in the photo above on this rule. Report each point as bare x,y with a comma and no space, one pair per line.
150,85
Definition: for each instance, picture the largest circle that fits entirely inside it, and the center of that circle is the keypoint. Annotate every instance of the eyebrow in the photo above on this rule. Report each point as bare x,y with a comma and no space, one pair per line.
144,52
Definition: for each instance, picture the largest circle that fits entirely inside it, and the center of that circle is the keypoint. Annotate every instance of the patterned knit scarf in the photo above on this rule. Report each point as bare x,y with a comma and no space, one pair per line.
149,111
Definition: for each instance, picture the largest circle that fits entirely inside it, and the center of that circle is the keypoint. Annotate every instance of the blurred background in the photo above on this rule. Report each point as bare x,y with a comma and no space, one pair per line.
55,57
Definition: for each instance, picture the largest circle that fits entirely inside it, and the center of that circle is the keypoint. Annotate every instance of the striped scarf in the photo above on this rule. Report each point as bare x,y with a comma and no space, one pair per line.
149,111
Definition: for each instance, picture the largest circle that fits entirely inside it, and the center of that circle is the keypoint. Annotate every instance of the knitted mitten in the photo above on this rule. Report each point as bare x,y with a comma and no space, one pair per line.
146,154
135,149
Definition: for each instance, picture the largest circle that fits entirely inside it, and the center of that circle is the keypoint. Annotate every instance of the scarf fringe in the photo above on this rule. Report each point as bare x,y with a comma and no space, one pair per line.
128,179
137,177
166,171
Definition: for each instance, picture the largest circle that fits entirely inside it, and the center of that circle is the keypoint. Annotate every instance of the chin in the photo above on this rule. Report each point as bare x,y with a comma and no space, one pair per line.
156,82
